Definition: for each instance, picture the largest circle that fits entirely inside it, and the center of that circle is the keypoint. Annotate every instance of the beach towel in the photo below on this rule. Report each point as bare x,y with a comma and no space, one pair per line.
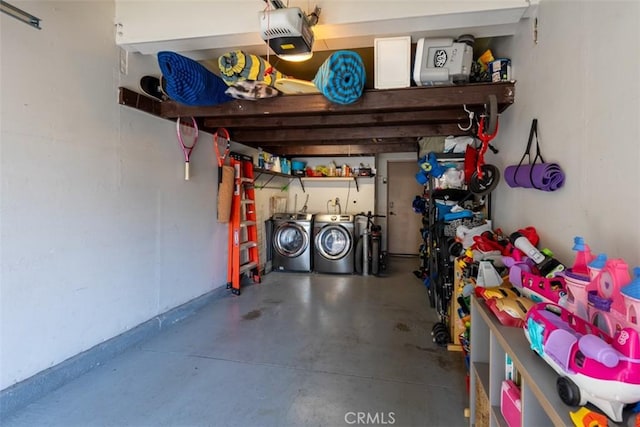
341,77
251,90
190,83
237,66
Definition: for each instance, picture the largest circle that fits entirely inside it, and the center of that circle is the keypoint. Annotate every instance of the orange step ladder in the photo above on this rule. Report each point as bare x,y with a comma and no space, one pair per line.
243,229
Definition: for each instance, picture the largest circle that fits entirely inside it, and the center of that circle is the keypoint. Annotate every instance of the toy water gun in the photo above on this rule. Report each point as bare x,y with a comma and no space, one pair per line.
584,417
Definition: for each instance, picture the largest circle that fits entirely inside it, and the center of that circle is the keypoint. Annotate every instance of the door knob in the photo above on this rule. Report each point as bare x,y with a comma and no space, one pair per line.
392,213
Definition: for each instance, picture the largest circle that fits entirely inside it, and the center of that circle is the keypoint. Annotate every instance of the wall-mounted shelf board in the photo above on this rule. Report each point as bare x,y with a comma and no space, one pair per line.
332,179
259,172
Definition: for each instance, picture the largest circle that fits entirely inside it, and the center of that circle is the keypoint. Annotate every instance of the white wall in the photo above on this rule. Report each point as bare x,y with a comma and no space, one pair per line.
98,229
352,201
582,83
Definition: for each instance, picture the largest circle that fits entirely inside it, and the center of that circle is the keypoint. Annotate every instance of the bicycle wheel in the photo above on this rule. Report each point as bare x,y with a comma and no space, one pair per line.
375,257
489,181
492,114
358,259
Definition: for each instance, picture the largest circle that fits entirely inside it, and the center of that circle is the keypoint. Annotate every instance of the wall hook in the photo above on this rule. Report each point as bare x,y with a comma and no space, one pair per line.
471,116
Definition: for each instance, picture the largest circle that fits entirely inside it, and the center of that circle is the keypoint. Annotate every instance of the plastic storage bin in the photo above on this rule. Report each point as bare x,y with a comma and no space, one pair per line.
510,404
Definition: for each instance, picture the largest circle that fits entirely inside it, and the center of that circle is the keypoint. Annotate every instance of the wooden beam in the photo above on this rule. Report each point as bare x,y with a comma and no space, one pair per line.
388,100
311,135
347,120
380,121
364,141
341,150
138,101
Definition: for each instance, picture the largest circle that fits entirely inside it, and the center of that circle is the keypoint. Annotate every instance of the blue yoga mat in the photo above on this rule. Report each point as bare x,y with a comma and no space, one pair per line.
190,83
341,77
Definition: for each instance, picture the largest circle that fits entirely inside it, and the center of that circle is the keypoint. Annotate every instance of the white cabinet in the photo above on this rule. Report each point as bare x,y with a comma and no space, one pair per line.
490,342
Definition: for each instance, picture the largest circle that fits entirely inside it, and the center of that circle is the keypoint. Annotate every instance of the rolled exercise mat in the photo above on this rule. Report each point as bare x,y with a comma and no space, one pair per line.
542,176
190,83
341,77
237,66
225,192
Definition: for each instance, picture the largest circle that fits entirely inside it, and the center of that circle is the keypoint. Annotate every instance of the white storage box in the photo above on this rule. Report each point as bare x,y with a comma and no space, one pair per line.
392,63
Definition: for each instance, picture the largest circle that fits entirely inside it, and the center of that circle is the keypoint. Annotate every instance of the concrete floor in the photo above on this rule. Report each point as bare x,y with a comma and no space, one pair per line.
298,350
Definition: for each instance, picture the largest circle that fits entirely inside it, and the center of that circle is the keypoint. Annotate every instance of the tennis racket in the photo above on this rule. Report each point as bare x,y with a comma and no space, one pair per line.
187,131
222,145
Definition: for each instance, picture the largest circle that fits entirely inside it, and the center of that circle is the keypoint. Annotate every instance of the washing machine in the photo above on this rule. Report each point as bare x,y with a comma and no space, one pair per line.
291,242
334,243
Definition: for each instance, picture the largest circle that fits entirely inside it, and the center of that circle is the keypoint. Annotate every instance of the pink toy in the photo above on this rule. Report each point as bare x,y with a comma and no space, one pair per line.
544,289
511,404
577,296
593,366
606,296
583,257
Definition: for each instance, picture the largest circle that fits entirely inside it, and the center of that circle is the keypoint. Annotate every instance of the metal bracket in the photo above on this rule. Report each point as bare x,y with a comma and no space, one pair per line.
20,15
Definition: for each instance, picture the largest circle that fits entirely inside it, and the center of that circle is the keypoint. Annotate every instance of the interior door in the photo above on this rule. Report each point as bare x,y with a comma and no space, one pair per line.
403,224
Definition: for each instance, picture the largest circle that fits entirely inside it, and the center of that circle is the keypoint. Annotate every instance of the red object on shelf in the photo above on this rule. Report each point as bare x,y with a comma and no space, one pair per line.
510,311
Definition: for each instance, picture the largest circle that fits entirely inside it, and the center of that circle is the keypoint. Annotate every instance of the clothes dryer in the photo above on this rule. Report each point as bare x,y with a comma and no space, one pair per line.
291,242
334,242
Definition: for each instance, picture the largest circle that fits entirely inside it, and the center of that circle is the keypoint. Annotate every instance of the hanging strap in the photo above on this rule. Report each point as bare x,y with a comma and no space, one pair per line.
527,153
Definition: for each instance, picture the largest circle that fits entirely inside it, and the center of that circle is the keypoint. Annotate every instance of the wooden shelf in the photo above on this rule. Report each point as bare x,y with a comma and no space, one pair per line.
541,404
333,179
259,172
537,376
381,121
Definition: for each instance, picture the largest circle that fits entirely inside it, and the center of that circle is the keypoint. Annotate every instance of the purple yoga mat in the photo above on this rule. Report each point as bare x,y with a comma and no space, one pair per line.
544,176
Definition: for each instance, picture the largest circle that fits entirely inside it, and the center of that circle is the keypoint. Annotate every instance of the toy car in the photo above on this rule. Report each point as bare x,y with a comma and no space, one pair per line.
593,366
